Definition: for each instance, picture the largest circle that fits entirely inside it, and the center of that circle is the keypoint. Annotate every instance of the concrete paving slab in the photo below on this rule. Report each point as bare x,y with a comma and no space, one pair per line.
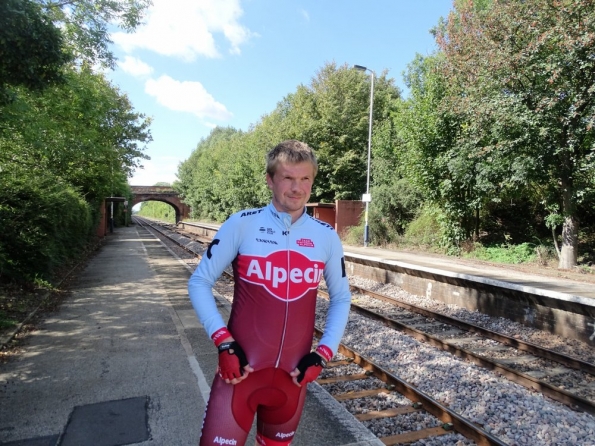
189,319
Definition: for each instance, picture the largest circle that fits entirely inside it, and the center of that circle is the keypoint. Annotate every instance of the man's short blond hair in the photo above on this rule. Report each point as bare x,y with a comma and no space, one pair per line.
293,152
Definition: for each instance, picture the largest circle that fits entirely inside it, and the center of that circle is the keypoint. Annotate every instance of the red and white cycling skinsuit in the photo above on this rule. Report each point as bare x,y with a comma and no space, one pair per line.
277,267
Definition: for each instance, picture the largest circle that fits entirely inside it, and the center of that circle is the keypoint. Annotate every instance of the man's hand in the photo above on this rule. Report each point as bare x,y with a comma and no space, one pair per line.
233,365
308,369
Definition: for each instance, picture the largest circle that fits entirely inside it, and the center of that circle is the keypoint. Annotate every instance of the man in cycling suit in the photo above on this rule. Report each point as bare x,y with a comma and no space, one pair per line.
279,255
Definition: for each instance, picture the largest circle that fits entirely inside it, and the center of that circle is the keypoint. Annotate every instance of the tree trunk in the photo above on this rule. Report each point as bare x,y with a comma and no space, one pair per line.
476,229
569,251
555,238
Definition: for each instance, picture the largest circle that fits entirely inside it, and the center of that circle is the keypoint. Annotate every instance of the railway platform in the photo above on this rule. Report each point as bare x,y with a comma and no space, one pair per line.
125,361
505,276
556,304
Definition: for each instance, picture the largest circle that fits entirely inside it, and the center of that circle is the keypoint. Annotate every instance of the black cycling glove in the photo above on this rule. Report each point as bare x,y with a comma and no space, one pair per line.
310,367
232,360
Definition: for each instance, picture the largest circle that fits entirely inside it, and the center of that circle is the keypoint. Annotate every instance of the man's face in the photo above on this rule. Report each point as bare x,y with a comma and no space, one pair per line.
291,186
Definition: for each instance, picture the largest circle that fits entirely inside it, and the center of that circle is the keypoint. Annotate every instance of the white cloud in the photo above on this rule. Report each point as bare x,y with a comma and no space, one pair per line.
305,15
186,28
135,67
159,169
186,96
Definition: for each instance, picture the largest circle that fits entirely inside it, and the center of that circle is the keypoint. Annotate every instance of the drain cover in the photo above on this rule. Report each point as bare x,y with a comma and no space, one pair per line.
111,423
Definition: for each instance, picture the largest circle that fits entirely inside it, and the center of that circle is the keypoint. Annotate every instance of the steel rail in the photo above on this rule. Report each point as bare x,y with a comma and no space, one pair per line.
573,401
534,349
443,413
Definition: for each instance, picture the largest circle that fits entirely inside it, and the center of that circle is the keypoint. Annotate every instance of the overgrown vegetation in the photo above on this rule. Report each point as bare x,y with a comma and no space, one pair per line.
68,138
158,210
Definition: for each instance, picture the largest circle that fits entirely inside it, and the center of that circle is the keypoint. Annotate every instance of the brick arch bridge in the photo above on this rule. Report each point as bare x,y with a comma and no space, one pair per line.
164,194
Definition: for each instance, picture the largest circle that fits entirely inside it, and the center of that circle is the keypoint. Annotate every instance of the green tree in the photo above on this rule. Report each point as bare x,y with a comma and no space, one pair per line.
85,24
158,210
31,52
86,131
44,221
226,172
428,153
523,77
332,115
202,176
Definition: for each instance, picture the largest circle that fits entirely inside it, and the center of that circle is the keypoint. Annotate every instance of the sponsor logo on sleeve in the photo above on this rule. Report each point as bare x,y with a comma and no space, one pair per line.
286,275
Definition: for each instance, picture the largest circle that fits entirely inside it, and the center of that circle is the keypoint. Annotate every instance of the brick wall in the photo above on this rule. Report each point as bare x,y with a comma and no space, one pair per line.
347,213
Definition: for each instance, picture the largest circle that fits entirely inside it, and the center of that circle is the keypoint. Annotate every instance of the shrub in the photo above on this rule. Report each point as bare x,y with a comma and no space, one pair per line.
393,208
425,231
43,221
353,235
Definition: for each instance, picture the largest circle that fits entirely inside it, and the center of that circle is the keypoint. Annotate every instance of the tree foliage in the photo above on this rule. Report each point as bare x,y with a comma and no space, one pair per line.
159,210
44,221
85,130
85,25
226,172
522,78
31,47
64,146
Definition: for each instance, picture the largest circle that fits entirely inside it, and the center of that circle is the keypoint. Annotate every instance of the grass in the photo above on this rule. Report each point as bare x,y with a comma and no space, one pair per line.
511,254
6,321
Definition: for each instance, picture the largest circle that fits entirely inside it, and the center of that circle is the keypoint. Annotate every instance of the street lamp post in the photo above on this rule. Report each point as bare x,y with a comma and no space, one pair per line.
367,197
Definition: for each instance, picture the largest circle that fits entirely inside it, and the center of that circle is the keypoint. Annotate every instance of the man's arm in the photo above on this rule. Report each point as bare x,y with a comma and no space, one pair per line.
337,282
233,366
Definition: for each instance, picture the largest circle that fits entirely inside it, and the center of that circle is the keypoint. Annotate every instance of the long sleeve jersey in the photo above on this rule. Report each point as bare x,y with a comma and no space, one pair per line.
277,267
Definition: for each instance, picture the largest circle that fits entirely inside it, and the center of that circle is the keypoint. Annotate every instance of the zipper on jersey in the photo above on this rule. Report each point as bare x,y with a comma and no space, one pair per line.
287,244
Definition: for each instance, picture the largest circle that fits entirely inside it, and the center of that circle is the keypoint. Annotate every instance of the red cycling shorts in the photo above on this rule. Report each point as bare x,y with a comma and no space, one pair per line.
269,393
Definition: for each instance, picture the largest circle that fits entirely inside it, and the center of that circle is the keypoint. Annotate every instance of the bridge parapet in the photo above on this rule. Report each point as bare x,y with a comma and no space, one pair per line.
153,190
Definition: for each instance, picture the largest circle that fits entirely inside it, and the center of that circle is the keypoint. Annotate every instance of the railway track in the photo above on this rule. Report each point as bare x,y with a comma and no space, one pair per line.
374,386
529,365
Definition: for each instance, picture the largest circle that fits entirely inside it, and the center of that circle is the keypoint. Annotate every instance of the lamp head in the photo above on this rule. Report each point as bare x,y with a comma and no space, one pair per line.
360,68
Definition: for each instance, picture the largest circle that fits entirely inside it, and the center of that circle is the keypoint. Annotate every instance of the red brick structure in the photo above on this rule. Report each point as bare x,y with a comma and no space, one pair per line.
164,194
341,215
102,228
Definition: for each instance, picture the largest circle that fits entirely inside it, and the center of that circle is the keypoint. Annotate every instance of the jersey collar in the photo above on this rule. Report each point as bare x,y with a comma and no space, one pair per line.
285,219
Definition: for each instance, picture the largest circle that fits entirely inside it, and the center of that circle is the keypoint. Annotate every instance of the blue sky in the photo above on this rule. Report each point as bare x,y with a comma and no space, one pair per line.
196,64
